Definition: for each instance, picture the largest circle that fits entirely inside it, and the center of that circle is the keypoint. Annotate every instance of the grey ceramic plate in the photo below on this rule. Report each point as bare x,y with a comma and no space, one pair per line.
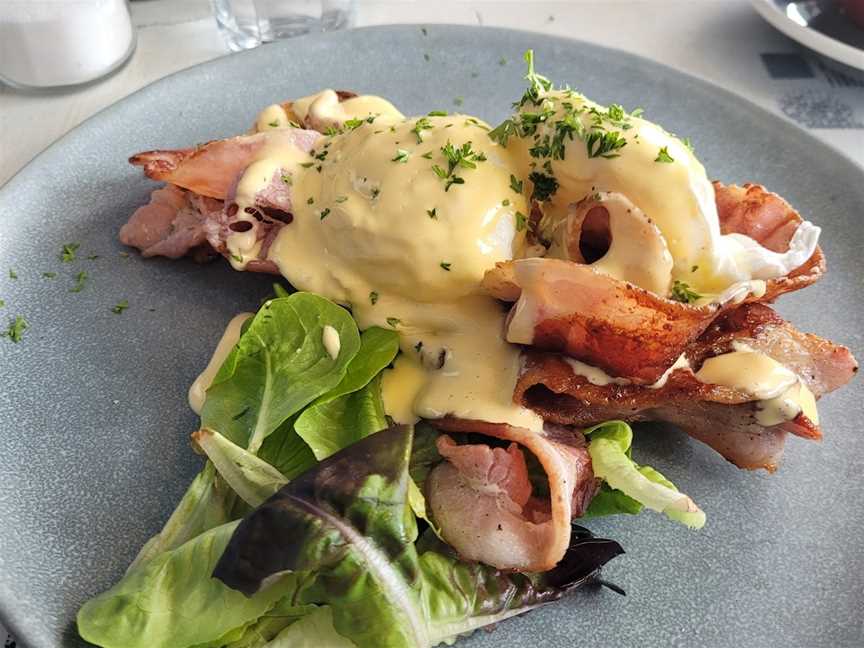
93,417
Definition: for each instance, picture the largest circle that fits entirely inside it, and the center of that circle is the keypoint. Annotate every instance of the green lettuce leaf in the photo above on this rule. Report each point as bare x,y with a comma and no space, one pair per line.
348,522
315,630
205,505
278,366
609,447
172,601
252,478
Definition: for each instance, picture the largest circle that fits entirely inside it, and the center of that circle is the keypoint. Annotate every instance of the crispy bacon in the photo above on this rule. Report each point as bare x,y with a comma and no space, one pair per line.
481,498
723,418
621,328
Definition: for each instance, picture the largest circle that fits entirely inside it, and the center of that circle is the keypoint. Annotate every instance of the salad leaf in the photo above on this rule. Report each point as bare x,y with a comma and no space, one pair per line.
278,366
348,522
353,409
609,447
335,424
205,505
253,479
314,630
274,621
172,602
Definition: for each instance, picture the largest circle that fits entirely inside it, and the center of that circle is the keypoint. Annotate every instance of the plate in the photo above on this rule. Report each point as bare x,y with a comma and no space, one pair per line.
94,426
819,25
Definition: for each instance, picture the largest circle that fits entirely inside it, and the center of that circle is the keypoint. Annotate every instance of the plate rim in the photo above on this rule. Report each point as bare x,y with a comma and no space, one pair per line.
777,121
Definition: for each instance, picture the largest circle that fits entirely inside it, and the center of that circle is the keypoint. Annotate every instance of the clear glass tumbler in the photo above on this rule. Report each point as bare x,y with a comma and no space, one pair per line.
249,23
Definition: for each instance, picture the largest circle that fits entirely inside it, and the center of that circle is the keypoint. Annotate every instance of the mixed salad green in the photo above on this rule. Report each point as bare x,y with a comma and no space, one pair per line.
307,525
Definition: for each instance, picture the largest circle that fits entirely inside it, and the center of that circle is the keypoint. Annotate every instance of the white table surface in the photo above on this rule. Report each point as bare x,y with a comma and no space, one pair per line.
722,41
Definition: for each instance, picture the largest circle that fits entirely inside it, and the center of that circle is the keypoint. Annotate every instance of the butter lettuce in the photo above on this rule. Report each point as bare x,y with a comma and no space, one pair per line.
172,602
278,366
628,487
349,523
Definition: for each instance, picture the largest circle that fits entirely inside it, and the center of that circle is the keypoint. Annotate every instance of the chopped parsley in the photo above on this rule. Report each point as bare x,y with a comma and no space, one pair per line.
401,156
394,321
515,184
432,213
325,212
521,221
12,274
438,113
307,165
683,293
341,199
80,280
287,179
2,303
356,122
49,275
16,328
538,84
505,202
545,186
427,155
375,193
330,131
694,268
686,142
463,157
310,200
445,266
419,346
663,156
458,101
121,306
604,144
273,124
419,126
373,297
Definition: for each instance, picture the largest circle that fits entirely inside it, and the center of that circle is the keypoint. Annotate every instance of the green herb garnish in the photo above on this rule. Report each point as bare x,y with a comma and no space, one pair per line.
394,321
341,199
287,179
121,306
663,156
545,186
12,274
373,297
16,328
49,275
438,113
445,266
463,157
432,213
401,156
273,124
521,221
419,126
683,293
515,184
325,212
80,280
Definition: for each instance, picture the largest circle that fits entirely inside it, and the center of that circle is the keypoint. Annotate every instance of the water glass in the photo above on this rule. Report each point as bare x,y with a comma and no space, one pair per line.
249,23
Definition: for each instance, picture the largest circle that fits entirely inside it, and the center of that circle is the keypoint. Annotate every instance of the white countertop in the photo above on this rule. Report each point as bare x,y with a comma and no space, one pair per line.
722,41
719,40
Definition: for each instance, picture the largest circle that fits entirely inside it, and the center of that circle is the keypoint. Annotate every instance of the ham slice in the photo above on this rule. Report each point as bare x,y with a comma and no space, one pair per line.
617,326
211,169
723,418
172,224
481,497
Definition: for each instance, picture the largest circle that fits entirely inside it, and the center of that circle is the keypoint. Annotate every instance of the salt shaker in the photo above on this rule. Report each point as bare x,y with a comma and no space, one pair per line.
56,43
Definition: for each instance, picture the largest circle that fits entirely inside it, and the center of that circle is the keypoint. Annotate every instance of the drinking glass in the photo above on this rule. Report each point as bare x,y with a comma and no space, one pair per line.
249,23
